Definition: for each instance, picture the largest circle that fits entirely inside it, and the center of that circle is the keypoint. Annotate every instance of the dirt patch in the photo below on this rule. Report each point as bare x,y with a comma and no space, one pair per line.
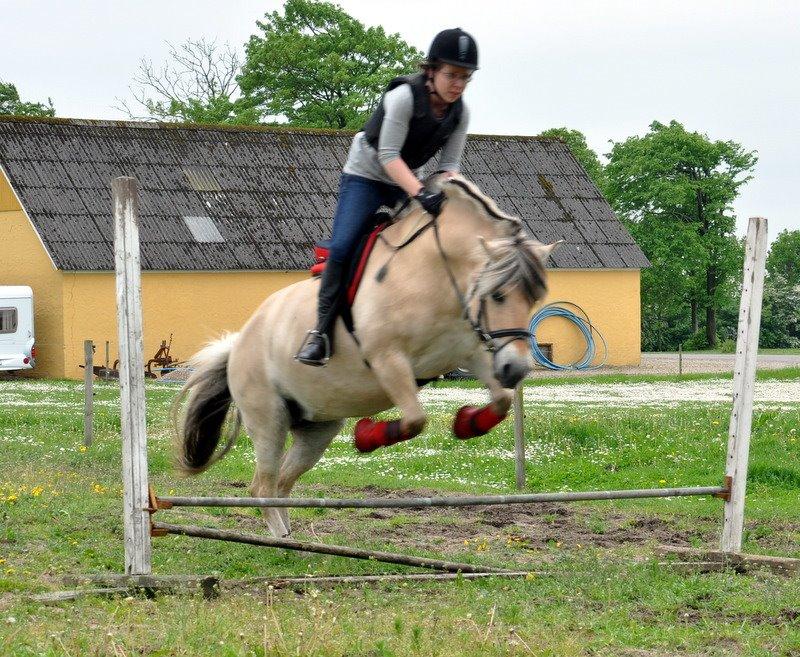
518,534
507,535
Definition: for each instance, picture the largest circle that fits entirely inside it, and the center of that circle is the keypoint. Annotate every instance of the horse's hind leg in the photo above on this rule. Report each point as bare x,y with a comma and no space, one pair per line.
267,423
310,441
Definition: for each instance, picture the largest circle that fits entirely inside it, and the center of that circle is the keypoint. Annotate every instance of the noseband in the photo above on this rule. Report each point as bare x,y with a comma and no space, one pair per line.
488,337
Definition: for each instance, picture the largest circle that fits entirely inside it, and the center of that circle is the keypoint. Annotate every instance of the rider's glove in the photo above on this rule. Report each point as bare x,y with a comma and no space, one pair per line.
431,201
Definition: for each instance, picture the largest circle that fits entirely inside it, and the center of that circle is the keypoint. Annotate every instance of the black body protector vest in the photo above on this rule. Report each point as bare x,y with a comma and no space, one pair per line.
426,133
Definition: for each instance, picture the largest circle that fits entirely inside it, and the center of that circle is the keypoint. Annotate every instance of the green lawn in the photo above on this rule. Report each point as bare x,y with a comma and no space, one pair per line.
600,590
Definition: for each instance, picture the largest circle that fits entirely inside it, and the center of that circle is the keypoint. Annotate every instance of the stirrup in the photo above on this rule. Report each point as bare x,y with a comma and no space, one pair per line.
325,341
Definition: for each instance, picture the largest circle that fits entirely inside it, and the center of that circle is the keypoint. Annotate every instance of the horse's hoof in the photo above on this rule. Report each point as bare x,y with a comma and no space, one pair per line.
365,436
369,435
471,421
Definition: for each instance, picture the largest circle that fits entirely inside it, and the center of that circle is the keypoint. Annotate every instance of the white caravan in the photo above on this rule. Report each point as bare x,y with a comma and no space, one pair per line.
17,349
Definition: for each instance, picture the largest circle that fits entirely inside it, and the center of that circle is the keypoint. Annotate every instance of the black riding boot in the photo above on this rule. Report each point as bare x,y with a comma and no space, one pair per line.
318,345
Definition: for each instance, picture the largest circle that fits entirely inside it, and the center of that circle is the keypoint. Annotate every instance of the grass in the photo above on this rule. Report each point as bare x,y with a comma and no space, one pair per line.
602,593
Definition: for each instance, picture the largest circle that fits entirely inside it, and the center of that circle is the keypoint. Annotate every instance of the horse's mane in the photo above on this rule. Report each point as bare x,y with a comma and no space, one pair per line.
513,262
461,188
513,259
458,187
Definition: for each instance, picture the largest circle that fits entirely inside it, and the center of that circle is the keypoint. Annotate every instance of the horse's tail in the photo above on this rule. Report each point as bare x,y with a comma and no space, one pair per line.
199,426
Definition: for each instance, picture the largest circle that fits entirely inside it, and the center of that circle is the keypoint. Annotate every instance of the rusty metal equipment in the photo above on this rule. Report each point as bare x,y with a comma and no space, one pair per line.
162,359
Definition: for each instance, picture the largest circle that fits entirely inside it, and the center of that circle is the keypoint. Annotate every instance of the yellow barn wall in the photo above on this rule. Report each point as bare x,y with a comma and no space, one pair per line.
610,299
23,261
194,306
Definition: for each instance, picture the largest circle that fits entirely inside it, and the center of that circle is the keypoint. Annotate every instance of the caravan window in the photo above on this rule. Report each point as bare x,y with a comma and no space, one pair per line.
8,320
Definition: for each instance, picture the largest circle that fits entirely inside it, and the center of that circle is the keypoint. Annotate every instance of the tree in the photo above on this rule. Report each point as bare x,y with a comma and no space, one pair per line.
683,183
197,86
317,66
784,257
580,149
780,313
10,103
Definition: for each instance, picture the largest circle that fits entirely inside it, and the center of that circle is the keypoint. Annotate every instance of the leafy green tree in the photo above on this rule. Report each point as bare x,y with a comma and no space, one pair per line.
197,85
780,313
674,189
784,257
317,66
576,141
10,103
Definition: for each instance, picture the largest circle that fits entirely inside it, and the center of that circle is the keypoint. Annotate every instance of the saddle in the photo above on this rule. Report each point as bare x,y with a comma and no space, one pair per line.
382,219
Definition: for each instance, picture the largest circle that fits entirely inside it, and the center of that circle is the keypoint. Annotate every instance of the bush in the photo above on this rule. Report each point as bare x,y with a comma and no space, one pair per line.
696,341
728,346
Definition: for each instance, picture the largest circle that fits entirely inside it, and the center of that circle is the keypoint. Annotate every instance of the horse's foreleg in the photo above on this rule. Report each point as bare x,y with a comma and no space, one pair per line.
482,367
310,441
471,421
396,377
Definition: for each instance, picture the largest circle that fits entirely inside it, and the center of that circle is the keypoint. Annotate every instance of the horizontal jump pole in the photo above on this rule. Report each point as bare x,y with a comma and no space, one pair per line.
418,502
322,548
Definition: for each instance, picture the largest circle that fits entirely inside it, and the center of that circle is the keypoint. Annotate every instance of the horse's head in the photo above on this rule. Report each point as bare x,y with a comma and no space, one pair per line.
509,280
505,291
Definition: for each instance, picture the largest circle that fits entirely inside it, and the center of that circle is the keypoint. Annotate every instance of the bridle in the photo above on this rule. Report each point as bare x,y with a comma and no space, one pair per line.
477,323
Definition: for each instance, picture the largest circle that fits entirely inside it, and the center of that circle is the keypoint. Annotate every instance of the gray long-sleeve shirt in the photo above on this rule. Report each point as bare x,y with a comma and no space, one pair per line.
398,104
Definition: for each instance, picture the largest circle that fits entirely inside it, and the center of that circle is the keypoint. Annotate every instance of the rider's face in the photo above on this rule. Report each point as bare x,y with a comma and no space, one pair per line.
450,81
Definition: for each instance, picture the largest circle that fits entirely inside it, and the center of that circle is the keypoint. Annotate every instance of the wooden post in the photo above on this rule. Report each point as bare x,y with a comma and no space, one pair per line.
744,381
105,376
680,359
131,377
88,393
519,436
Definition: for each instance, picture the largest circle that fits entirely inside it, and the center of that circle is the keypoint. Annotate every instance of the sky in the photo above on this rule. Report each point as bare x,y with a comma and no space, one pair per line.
608,68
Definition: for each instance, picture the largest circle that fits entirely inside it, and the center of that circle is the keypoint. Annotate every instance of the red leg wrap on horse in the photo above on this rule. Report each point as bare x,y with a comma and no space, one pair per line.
472,421
369,435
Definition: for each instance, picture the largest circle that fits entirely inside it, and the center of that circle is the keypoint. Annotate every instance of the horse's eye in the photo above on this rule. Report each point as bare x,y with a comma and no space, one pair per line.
498,296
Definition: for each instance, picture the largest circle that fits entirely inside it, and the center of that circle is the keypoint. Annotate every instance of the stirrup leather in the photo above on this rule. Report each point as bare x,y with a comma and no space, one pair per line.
325,341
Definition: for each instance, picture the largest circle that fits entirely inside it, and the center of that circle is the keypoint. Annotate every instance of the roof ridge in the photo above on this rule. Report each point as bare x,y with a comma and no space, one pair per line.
261,127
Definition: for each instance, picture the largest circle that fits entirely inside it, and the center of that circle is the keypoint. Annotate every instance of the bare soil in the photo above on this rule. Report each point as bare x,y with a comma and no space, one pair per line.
520,535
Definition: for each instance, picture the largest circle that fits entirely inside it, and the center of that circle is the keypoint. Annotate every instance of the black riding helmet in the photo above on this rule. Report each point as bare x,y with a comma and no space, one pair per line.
454,47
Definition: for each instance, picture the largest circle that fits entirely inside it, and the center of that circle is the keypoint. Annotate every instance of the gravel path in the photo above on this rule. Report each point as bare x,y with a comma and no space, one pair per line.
783,395
667,363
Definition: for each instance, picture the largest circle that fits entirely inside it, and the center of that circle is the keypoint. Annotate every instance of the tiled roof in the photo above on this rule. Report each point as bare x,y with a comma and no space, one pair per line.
271,193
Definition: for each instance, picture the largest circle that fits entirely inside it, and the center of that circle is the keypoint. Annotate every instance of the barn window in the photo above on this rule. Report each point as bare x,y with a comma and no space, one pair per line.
203,229
8,320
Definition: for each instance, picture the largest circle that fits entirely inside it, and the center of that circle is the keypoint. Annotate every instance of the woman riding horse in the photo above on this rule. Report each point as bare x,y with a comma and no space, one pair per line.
417,117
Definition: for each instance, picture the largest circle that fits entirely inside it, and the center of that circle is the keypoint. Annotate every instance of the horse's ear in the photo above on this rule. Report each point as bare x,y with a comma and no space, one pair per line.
488,248
543,251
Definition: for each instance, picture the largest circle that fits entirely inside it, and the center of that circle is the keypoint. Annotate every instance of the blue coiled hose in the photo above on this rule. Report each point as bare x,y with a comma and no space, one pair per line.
557,309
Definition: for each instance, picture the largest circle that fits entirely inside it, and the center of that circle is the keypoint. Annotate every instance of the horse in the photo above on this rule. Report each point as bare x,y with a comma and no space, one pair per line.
437,293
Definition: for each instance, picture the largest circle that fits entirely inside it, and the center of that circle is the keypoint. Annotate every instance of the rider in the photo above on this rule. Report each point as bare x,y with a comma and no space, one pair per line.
418,116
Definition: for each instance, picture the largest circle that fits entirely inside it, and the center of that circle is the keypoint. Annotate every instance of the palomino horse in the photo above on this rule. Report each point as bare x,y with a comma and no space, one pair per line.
436,294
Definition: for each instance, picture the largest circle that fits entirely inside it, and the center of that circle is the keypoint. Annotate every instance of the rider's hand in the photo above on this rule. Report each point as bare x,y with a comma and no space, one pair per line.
431,201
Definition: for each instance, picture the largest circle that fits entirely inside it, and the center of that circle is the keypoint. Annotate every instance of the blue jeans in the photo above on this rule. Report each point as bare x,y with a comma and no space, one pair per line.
359,198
